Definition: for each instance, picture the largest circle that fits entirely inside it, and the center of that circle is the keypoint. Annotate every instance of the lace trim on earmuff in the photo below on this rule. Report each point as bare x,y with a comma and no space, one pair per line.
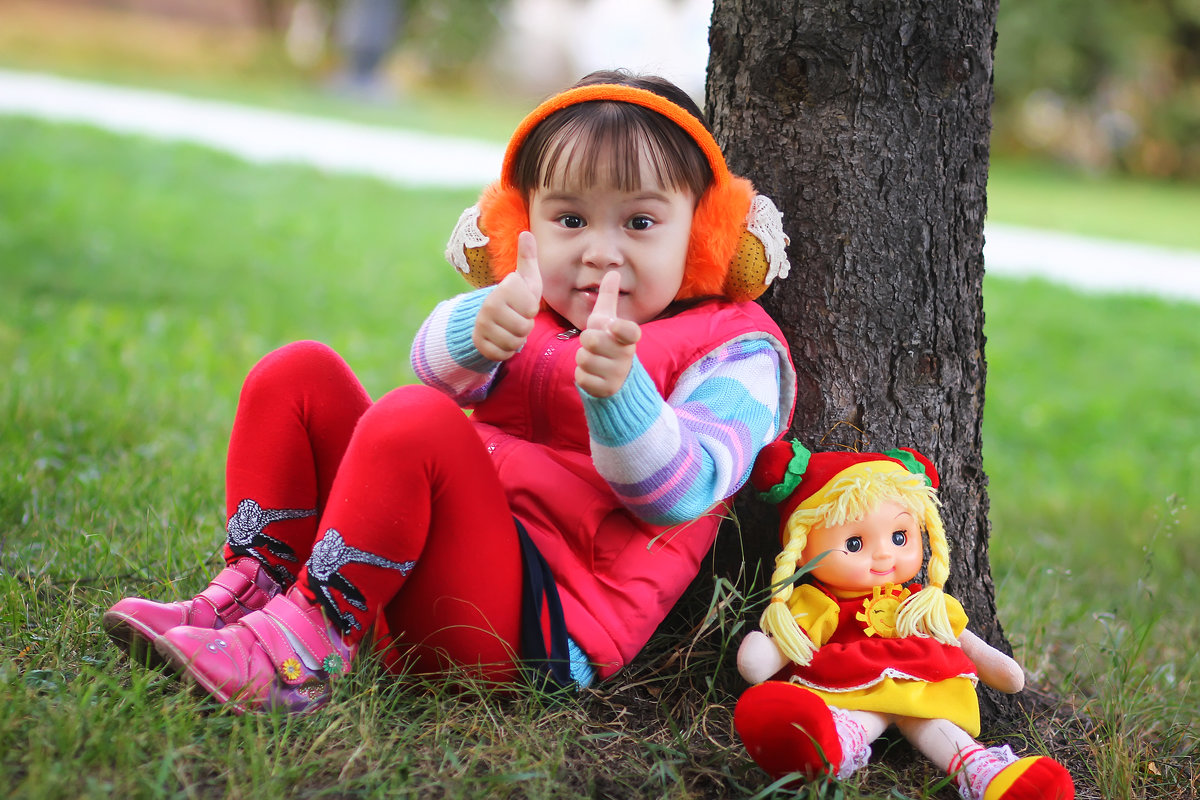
765,221
465,236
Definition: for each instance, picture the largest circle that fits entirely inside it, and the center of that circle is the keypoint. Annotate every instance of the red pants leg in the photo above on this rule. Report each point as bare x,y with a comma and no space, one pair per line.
417,528
295,416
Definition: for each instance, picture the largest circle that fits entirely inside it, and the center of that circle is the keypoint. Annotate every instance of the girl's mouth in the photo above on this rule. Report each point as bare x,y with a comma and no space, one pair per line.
593,291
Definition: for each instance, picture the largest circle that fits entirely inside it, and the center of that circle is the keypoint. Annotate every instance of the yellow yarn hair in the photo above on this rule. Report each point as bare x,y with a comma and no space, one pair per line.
847,499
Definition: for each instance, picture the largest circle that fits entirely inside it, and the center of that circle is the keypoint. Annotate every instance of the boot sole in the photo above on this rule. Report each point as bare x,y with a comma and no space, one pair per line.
137,644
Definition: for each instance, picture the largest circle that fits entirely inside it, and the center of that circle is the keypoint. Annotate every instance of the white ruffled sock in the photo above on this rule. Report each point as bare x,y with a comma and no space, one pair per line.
852,736
974,769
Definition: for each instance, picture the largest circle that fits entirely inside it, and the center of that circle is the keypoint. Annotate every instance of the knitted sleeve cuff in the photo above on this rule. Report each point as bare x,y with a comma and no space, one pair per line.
620,419
443,355
459,328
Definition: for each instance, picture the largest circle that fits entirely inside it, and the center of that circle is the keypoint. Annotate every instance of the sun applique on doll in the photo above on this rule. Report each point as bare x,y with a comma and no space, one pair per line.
879,610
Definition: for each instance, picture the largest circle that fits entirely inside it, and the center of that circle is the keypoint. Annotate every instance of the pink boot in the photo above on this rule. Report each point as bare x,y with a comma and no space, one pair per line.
242,587
282,656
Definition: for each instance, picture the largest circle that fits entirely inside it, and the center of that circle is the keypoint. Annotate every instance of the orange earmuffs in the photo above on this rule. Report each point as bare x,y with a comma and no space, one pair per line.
737,245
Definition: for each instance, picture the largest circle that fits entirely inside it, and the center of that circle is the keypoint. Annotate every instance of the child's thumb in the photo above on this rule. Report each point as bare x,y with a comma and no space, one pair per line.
527,263
607,296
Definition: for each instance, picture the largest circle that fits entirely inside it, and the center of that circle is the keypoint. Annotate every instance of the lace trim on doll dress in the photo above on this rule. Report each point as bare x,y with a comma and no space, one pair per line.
887,672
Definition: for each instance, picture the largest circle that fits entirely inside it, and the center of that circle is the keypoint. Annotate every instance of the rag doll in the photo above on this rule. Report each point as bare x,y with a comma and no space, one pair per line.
857,646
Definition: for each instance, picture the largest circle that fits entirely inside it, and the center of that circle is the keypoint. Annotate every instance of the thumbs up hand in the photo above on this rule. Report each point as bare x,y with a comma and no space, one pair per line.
607,345
506,317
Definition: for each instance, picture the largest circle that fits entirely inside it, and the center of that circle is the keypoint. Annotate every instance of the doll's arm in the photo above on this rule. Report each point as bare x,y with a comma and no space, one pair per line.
995,668
758,658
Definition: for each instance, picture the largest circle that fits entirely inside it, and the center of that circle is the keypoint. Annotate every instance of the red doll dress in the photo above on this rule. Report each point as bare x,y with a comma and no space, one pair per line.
862,664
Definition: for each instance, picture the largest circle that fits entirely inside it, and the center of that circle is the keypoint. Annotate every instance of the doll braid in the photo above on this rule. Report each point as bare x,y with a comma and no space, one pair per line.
777,620
924,613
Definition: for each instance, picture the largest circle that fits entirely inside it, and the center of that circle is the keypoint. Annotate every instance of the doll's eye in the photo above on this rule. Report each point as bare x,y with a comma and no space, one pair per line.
854,544
899,538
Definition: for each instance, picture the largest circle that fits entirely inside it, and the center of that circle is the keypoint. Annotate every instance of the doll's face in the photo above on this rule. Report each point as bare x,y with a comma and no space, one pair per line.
882,547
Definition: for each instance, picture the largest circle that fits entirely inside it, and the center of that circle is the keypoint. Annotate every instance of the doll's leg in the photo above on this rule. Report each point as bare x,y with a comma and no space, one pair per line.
984,773
856,731
414,473
297,410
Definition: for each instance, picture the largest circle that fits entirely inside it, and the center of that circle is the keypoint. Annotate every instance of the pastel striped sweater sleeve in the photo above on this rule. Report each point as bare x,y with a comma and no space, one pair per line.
671,461
443,355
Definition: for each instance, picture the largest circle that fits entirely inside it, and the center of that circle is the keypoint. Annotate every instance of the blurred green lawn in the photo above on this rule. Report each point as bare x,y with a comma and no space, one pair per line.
1041,195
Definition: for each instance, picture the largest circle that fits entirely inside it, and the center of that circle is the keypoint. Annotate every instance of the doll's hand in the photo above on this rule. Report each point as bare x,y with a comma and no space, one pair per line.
506,317
995,668
607,345
758,658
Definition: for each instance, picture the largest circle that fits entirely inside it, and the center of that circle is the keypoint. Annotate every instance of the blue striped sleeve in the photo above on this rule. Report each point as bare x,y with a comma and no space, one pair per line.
672,460
443,355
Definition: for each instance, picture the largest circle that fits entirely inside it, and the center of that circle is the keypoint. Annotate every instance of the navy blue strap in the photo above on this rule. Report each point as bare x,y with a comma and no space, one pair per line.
552,670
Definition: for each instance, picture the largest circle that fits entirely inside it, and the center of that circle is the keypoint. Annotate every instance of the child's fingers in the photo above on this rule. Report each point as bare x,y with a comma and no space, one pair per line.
527,263
624,332
505,319
514,292
607,297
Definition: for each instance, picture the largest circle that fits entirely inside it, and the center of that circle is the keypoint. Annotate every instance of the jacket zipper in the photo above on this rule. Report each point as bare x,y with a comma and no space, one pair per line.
541,391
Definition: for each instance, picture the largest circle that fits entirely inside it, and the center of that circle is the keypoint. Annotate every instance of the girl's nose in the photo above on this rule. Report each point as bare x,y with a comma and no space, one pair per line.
602,250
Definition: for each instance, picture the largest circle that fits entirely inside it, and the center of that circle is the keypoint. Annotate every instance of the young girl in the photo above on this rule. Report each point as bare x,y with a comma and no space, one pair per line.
620,384
860,648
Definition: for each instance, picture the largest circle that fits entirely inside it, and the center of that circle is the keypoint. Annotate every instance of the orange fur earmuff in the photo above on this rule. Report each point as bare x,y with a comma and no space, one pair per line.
737,244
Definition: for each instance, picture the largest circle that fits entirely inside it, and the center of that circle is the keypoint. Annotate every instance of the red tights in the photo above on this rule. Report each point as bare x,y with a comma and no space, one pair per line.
383,512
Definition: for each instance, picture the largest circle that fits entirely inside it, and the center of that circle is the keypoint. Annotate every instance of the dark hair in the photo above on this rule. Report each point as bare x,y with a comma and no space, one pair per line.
611,136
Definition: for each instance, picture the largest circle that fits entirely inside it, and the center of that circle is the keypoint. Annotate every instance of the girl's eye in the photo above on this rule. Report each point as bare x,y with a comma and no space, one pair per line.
899,538
853,544
570,221
640,223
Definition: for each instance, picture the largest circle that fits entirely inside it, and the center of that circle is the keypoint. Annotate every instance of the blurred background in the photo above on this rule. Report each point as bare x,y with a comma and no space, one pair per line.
1099,87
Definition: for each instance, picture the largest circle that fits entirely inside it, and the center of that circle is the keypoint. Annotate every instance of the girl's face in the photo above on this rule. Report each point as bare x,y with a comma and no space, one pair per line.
584,232
882,547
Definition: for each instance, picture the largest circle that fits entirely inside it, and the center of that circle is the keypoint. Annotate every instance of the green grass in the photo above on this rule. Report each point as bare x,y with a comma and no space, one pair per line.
140,281
1092,448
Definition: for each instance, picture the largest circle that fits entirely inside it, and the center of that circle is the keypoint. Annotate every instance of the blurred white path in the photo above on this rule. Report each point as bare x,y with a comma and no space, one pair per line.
414,159
255,134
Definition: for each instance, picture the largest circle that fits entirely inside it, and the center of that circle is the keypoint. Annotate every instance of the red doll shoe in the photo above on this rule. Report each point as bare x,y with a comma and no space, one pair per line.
243,586
282,656
787,728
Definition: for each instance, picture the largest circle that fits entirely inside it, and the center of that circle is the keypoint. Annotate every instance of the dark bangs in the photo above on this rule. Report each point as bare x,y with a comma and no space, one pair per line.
602,142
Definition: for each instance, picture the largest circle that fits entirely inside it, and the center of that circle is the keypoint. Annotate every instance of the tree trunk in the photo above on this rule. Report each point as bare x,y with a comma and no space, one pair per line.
868,123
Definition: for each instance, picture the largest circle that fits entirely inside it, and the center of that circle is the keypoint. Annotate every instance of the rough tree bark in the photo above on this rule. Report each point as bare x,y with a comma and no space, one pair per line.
868,121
